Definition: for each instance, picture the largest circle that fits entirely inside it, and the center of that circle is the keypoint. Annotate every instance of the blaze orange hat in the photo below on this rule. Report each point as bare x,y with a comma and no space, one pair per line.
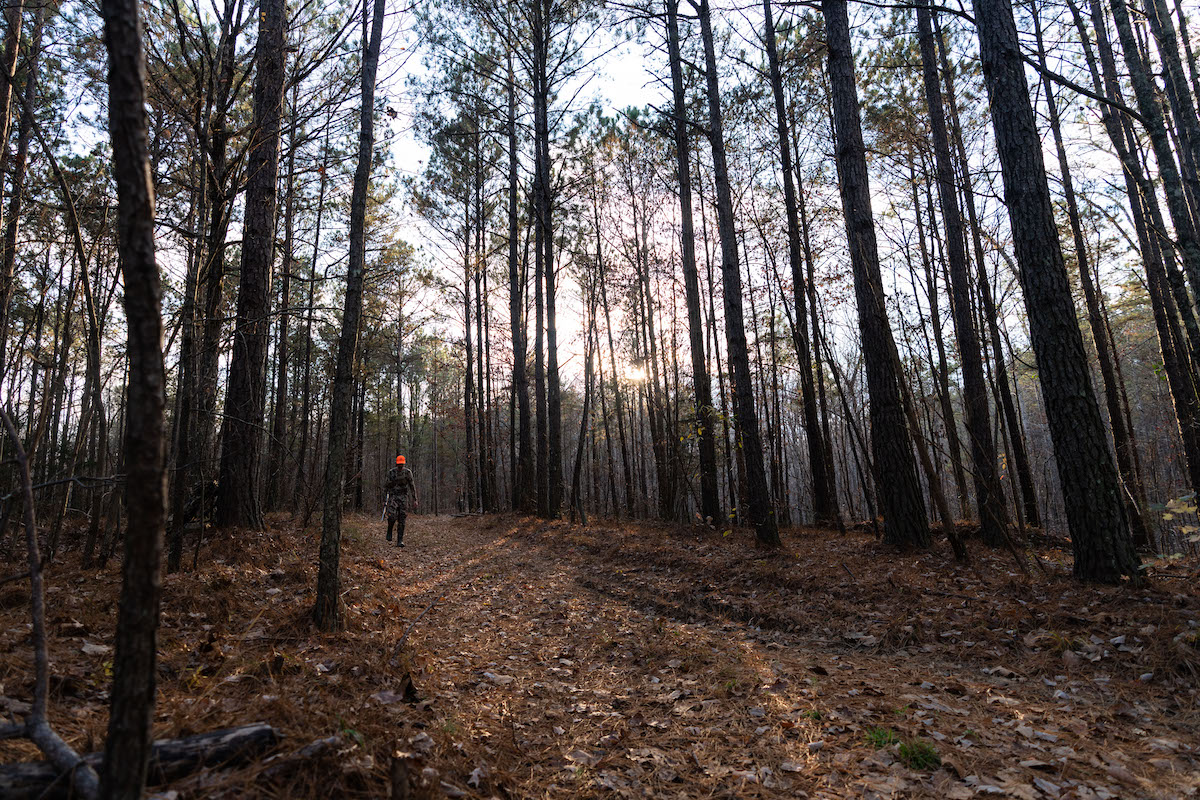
399,459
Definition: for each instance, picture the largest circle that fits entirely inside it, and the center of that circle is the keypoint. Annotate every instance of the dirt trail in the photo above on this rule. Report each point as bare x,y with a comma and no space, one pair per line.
561,669
639,660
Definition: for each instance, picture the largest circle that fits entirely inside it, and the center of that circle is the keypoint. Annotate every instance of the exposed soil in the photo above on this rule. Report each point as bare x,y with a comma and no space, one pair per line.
645,661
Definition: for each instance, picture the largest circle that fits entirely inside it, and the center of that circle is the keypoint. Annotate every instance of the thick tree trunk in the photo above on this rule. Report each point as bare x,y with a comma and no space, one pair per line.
1090,487
327,613
897,486
238,503
1133,494
127,748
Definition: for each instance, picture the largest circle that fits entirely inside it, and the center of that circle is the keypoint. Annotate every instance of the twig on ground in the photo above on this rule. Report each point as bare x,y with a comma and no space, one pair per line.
85,779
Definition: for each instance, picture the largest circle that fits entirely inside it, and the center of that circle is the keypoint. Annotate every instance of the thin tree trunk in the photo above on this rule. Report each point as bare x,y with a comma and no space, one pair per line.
823,501
710,500
1006,390
988,494
762,510
523,498
277,449
1146,94
302,471
24,130
127,746
328,612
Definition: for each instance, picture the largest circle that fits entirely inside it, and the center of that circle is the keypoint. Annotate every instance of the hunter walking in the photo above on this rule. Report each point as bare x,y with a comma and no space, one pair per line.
399,485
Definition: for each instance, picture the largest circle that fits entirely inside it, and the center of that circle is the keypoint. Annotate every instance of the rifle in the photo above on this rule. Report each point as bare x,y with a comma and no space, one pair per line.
387,501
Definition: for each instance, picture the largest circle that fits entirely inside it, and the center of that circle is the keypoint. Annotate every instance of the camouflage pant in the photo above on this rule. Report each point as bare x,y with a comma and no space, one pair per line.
397,507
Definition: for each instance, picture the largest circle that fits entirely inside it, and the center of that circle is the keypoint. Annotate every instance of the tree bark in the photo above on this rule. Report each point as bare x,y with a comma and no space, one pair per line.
897,486
762,510
238,503
24,130
988,494
523,499
824,508
277,449
327,612
1005,388
1146,94
710,501
1133,494
127,747
1091,492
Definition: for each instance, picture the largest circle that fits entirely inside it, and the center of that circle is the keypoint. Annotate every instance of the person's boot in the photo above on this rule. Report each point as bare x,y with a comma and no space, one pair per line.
389,538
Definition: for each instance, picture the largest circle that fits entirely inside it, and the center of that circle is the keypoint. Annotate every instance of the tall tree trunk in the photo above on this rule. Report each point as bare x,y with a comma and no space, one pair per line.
988,494
823,501
1090,487
13,12
543,201
1006,389
327,612
1178,93
472,494
222,188
618,399
523,498
1146,94
277,449
302,472
539,364
238,503
589,332
1141,194
127,746
941,370
897,486
1133,494
710,500
762,510
8,257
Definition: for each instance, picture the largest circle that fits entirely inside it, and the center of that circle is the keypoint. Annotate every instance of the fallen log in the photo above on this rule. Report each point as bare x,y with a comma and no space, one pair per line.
171,759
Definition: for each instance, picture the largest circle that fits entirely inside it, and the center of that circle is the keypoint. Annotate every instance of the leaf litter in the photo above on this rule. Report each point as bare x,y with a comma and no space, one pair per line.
645,660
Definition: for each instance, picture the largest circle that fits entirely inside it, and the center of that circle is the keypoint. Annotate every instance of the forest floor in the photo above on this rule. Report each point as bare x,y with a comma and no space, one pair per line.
555,661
